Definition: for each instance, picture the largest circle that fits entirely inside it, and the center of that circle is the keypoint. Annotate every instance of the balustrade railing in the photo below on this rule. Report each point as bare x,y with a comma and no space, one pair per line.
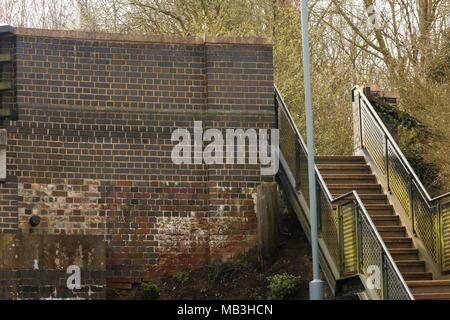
429,217
353,242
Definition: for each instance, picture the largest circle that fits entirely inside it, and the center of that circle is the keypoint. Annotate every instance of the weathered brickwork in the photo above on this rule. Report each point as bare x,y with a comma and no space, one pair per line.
66,206
90,150
8,189
36,266
50,285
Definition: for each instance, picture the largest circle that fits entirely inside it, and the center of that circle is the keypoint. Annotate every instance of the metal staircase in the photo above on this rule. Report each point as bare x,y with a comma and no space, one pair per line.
376,220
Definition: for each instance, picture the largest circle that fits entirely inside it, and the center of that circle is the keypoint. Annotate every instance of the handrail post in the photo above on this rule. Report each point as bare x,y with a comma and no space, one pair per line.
355,225
297,174
359,254
360,122
319,209
384,282
386,141
341,240
440,238
277,111
411,203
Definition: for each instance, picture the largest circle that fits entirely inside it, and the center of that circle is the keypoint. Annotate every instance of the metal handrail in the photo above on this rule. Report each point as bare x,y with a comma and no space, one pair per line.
380,240
352,194
429,217
402,157
302,142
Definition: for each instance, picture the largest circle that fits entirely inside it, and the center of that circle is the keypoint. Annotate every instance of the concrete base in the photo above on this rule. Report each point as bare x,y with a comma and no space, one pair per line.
316,290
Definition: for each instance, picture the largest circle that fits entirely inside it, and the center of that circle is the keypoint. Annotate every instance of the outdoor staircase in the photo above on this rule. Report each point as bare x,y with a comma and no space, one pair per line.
345,173
372,209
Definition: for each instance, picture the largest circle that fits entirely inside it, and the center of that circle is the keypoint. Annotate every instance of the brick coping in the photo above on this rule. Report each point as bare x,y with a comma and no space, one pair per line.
99,36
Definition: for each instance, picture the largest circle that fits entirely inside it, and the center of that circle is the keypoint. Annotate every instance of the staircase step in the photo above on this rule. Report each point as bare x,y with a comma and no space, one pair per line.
379,209
411,266
365,188
349,178
368,198
385,220
392,231
410,276
432,296
404,254
429,286
397,242
340,160
343,168
5,57
5,85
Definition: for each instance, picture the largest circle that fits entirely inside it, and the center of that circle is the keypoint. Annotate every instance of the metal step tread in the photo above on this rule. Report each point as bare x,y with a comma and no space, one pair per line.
348,176
342,165
385,217
371,206
397,239
391,228
354,186
403,250
423,275
404,255
429,286
378,212
340,157
391,231
386,220
428,283
410,263
365,197
432,296
397,242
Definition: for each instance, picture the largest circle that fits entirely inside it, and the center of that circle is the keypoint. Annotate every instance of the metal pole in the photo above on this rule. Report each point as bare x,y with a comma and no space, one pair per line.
316,285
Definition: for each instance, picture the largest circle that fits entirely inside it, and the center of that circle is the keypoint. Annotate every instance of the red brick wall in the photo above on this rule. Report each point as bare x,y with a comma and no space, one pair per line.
90,149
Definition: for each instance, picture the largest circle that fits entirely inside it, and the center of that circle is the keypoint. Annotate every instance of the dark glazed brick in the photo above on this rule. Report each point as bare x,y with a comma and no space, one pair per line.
90,152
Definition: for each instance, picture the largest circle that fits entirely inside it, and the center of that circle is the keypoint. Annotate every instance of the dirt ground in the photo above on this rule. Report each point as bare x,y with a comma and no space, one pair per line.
241,279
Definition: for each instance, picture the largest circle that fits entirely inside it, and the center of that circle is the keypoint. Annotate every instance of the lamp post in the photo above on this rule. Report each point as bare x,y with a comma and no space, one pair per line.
316,285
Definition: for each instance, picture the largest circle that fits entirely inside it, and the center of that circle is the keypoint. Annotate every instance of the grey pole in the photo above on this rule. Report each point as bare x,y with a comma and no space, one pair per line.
316,285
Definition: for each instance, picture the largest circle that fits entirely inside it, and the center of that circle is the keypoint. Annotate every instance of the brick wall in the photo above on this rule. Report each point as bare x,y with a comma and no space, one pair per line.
90,149
38,266
8,189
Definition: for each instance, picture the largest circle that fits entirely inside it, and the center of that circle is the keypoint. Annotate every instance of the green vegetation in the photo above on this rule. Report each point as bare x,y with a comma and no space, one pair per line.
407,53
181,277
151,291
282,286
223,271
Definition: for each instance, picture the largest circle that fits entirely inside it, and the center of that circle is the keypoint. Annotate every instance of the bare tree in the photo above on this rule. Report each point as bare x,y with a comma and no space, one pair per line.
46,14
